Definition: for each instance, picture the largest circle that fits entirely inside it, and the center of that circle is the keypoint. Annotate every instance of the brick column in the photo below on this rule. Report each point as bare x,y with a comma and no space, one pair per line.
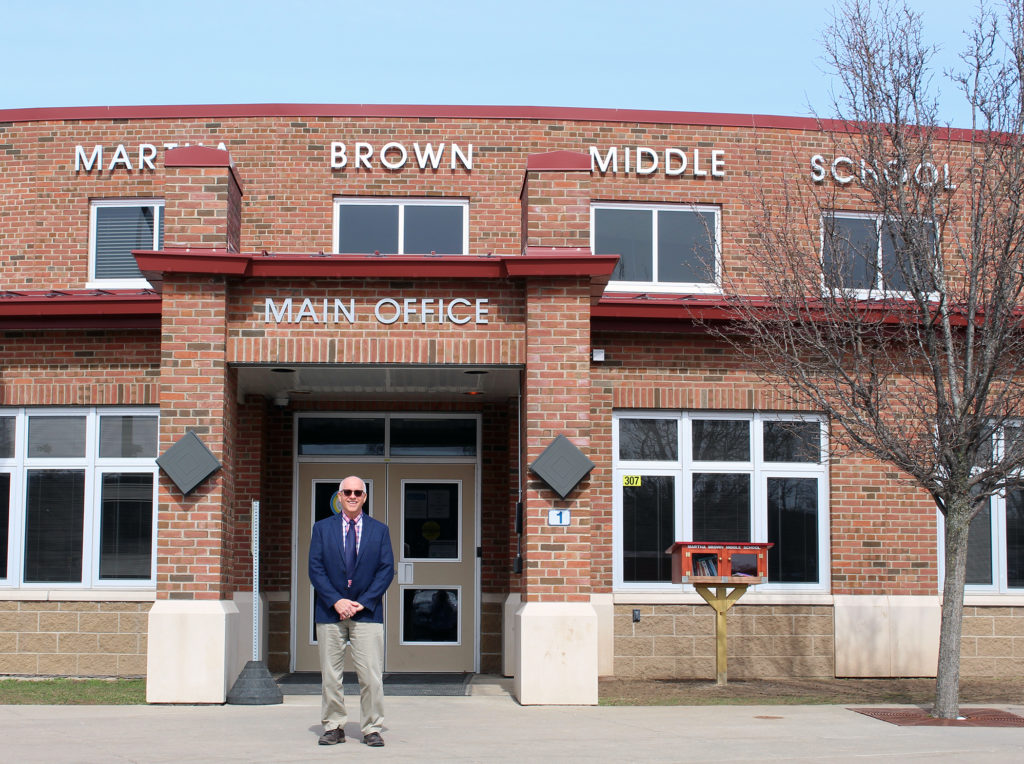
557,626
202,200
193,626
555,201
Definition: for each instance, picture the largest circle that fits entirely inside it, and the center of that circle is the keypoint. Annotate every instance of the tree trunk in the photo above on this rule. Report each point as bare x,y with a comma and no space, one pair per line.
947,683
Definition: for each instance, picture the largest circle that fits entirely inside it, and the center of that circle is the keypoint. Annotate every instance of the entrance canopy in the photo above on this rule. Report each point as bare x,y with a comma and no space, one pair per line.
289,383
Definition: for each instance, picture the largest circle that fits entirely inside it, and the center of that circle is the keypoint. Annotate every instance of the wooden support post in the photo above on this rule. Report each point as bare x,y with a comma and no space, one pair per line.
721,601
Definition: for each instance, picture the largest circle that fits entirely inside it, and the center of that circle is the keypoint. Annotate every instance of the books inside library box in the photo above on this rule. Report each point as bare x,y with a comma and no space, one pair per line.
731,562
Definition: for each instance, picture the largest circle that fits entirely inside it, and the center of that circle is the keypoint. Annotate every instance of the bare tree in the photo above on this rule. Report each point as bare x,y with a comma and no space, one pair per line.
903,323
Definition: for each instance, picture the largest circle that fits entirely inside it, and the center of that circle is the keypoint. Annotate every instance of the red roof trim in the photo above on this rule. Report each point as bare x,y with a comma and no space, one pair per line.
206,111
547,113
571,261
79,309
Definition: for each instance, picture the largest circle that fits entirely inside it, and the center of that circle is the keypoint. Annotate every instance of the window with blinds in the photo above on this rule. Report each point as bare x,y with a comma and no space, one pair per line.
118,227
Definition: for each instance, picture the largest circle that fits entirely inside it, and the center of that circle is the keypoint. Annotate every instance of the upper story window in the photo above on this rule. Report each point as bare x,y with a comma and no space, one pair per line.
866,254
401,226
663,248
734,477
116,227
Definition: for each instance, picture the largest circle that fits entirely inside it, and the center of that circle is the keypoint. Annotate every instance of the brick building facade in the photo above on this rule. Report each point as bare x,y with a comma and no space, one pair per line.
428,297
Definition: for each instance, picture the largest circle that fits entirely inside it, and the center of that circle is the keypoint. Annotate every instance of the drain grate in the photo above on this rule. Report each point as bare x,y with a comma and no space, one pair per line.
919,717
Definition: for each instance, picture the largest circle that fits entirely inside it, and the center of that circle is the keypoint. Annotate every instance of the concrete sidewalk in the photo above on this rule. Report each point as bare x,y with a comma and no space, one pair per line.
488,727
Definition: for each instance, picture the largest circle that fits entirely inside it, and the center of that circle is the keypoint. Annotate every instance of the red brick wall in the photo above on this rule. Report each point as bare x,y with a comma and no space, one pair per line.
289,186
557,210
883,531
250,339
201,207
79,368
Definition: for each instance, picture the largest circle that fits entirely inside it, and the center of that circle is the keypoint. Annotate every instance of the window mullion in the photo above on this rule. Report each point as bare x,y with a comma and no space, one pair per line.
879,264
654,247
401,229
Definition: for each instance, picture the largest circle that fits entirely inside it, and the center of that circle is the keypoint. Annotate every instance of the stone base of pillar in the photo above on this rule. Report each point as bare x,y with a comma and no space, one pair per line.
557,654
192,651
604,606
510,634
883,635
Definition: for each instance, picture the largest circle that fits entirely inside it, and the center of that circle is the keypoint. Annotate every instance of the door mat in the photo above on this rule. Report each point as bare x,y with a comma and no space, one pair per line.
919,717
396,684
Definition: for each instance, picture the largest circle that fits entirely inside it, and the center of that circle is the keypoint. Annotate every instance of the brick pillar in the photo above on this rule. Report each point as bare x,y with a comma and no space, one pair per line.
555,201
557,651
193,626
202,200
556,393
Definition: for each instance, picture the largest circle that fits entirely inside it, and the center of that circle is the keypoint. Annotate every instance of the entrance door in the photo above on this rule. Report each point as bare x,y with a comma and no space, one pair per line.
430,608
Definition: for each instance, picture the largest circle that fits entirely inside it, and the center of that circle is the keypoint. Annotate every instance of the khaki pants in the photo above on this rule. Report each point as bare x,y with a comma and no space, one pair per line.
367,641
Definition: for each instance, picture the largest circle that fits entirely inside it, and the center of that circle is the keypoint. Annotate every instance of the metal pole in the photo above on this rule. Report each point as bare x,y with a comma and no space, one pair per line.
255,579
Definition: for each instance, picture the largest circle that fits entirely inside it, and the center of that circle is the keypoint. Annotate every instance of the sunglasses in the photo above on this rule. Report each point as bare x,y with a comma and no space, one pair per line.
352,492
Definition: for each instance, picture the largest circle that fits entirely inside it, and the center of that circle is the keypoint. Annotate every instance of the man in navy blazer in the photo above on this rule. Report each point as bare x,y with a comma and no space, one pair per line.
351,565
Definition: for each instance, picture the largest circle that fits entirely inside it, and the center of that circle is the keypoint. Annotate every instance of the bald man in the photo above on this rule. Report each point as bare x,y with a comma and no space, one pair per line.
351,565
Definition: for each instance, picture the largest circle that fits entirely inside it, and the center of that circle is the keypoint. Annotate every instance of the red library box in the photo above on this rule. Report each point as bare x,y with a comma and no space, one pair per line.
707,562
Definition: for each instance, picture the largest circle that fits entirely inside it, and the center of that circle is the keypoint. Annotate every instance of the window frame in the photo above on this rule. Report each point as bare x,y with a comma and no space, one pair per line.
878,290
158,224
683,469
402,203
94,467
655,286
999,564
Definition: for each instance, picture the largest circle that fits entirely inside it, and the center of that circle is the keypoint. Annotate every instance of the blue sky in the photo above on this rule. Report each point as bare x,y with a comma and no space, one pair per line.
733,56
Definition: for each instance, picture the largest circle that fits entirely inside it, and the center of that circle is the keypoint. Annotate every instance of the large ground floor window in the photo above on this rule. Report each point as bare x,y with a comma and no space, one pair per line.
77,497
700,476
995,545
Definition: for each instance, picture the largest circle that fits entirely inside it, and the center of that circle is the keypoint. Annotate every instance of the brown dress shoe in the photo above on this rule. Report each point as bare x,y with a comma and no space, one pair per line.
374,740
333,737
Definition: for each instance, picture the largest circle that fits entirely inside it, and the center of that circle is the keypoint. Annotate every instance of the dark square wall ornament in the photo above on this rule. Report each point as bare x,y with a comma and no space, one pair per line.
562,466
188,462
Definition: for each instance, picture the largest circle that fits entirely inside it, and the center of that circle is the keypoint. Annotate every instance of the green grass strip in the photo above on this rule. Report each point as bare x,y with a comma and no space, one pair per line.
72,692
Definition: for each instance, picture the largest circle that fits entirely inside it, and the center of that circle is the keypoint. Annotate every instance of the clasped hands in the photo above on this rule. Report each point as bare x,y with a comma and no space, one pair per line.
347,608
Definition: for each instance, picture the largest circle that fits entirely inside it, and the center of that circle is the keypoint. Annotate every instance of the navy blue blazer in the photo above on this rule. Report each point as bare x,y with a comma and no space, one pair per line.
375,568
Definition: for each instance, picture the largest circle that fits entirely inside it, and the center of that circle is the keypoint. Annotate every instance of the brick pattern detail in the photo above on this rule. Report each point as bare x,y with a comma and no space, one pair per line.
94,639
678,642
490,637
279,639
556,209
79,368
557,402
203,208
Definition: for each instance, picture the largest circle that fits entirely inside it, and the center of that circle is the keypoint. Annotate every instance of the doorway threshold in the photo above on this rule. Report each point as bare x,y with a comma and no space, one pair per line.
395,683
